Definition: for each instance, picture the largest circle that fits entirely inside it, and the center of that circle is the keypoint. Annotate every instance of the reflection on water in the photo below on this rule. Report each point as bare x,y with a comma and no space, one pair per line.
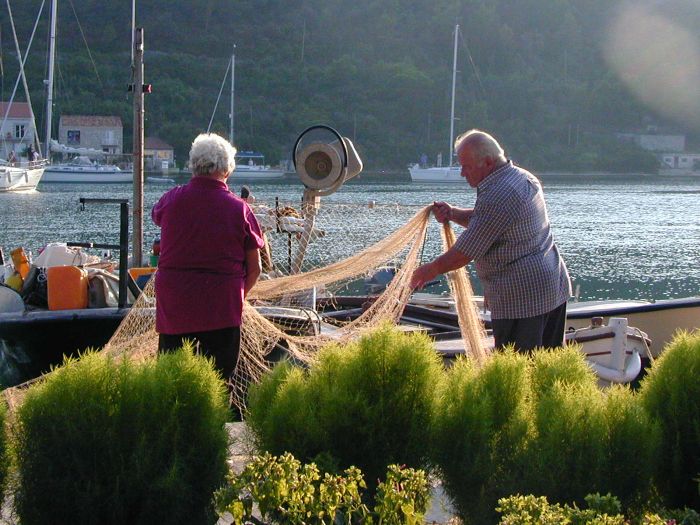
631,238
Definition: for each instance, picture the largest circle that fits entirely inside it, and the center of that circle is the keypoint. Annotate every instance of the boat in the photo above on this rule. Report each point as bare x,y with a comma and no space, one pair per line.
20,176
448,173
82,170
250,165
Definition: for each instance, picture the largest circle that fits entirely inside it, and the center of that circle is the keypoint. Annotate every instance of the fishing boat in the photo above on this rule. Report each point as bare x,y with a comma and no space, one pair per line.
447,173
83,170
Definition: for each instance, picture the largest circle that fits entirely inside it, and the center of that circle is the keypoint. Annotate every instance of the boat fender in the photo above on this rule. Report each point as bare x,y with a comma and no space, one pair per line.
630,373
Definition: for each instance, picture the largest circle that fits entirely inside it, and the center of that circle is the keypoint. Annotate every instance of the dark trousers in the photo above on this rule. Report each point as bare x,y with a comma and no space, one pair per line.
546,330
223,345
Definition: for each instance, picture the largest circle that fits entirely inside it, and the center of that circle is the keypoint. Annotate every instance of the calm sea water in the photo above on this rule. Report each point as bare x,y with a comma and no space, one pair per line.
622,238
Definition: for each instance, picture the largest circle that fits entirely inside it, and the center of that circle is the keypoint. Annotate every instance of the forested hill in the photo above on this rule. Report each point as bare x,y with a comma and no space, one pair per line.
531,71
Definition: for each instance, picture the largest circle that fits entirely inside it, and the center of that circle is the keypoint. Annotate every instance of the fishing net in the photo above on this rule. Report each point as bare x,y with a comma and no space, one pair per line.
315,258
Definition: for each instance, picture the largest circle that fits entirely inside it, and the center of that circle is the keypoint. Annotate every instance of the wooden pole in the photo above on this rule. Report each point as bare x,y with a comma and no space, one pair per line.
137,240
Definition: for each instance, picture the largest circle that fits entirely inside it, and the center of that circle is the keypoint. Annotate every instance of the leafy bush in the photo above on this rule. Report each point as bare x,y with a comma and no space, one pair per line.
288,492
106,441
671,392
602,510
481,427
367,404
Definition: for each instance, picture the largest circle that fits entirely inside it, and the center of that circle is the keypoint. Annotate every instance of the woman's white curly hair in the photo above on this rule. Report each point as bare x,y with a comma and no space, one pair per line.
212,154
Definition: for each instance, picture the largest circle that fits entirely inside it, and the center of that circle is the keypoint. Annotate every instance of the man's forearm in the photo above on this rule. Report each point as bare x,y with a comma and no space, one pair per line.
461,216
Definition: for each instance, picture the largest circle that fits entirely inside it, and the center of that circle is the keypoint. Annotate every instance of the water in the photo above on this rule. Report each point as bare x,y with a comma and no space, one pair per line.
622,238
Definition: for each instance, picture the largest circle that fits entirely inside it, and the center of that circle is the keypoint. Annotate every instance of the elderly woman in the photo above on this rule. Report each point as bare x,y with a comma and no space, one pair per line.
209,259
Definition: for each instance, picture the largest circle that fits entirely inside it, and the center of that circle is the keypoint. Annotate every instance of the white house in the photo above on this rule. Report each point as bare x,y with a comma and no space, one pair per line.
17,131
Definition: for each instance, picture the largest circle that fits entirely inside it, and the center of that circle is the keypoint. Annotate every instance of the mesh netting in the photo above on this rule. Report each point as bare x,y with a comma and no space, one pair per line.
315,256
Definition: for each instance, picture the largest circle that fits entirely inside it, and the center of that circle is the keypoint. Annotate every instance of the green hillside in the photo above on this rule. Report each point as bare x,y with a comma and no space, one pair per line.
531,71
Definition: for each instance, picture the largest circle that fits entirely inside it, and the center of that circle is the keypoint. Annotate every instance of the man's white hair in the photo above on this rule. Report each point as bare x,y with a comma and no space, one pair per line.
212,154
483,145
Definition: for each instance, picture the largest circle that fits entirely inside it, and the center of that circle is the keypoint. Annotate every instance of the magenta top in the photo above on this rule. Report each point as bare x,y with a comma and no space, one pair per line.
205,233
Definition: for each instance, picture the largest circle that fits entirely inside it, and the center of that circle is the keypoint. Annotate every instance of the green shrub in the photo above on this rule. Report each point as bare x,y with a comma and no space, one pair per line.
671,394
106,441
287,492
566,458
481,426
631,447
367,404
602,510
562,365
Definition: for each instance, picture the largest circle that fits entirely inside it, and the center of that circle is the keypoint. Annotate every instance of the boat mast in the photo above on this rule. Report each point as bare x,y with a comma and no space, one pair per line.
137,242
49,80
454,81
233,79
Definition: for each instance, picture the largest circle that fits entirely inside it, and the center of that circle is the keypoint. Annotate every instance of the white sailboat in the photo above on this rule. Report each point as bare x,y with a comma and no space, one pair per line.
447,173
20,175
250,165
81,168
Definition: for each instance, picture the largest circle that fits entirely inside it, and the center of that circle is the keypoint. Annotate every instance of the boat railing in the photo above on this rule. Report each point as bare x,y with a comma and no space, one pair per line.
29,164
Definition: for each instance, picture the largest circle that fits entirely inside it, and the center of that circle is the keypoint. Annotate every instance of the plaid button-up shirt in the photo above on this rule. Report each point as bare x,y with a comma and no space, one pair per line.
510,240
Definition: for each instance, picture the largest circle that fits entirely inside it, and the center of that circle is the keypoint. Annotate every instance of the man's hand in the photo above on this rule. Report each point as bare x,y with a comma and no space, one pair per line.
422,275
442,212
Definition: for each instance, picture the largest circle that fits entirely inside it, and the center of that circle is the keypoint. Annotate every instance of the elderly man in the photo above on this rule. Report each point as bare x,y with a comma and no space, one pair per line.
507,234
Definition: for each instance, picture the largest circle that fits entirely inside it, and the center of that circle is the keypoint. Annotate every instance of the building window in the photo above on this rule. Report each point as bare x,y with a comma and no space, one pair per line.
19,131
73,137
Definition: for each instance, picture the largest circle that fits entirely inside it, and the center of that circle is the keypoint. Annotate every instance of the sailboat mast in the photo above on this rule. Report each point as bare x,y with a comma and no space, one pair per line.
49,80
454,82
233,80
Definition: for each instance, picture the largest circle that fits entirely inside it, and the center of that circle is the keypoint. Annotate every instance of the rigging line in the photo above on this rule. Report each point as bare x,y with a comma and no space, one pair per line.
94,66
474,68
223,83
21,72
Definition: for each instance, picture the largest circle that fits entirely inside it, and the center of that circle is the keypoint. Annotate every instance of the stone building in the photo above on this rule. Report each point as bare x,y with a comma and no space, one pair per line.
103,133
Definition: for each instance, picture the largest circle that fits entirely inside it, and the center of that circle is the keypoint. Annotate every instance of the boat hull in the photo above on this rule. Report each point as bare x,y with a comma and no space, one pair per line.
32,342
58,174
13,178
447,174
253,173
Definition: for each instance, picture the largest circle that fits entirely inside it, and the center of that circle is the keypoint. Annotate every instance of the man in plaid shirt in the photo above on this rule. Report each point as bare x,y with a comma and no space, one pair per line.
508,236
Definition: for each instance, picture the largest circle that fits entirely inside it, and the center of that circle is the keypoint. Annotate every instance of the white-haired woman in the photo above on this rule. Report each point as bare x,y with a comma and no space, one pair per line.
209,257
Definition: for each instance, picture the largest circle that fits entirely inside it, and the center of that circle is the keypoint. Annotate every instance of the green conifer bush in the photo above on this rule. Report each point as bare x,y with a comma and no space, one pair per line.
109,441
567,456
366,404
631,447
481,427
671,394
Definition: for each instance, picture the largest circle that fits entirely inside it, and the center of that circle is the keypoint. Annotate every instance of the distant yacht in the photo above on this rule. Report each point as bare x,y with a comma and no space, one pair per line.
251,165
447,173
82,170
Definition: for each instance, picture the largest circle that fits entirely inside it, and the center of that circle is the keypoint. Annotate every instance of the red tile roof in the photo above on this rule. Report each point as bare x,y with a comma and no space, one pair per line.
17,110
90,120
